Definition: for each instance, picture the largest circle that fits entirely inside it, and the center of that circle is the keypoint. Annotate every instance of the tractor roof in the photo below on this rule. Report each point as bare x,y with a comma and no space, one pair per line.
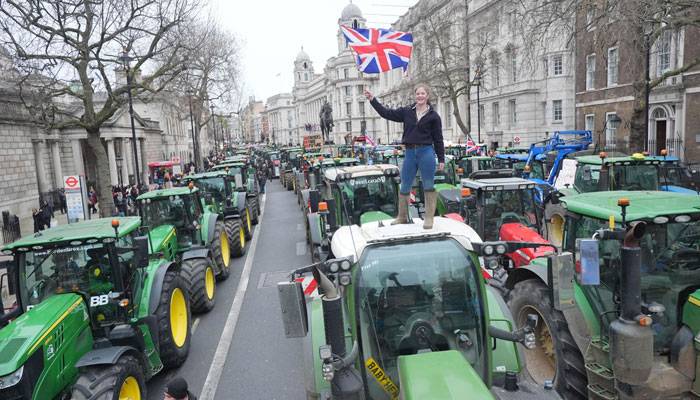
176,191
513,156
351,240
498,184
643,204
228,164
100,228
206,175
635,159
355,171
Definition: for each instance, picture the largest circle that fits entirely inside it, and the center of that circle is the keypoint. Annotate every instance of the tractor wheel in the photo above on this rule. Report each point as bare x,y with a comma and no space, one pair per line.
556,357
174,322
247,223
123,380
237,235
221,248
199,277
254,210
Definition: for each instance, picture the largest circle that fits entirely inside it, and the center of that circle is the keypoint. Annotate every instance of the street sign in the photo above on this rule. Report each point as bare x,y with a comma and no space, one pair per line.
516,140
76,197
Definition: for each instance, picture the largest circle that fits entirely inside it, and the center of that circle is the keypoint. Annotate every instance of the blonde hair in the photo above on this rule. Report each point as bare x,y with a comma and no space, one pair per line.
425,87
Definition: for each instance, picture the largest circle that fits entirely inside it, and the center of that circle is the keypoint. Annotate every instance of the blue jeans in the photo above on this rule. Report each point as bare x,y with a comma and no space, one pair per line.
418,159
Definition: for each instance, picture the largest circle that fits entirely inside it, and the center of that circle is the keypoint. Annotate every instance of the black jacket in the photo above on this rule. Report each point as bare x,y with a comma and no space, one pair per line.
428,131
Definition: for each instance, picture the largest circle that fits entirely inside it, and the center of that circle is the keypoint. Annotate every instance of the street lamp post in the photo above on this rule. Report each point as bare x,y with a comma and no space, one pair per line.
213,122
195,151
477,80
126,59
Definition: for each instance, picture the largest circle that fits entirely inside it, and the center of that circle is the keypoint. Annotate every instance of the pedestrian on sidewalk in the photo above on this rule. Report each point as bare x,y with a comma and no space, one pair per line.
262,180
38,220
422,139
177,390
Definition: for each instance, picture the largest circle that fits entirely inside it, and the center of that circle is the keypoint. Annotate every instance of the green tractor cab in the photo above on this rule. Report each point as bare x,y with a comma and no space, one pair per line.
95,317
182,230
314,177
621,318
221,196
404,313
290,161
245,181
350,195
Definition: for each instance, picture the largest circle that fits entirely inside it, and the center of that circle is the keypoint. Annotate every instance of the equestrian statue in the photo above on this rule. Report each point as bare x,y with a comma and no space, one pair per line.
326,117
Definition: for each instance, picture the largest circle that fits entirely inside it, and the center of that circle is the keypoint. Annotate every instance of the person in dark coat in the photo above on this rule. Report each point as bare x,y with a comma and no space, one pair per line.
422,139
177,390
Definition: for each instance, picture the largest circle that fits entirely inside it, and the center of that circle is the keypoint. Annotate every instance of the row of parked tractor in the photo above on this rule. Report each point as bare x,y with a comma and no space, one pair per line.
556,272
97,308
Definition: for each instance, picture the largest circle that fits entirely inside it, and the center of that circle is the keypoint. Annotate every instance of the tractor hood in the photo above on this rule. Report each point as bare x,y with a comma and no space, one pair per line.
33,329
440,375
374,216
517,232
159,236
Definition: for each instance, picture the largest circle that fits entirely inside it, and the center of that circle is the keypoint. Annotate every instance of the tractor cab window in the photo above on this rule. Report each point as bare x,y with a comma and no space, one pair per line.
215,187
369,193
447,175
82,269
406,308
634,177
586,178
165,210
507,206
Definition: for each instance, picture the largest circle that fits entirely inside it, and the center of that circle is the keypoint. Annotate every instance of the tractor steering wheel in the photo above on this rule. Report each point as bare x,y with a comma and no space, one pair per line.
421,335
509,217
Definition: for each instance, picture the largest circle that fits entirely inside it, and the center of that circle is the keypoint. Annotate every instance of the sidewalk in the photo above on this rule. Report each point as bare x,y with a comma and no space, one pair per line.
26,225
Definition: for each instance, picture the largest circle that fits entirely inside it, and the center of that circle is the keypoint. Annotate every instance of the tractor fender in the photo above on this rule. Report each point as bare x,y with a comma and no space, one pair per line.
201,252
315,228
455,217
210,227
241,202
157,285
530,271
107,356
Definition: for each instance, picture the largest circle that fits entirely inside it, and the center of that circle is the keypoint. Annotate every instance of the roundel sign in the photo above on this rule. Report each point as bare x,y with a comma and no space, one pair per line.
516,140
72,182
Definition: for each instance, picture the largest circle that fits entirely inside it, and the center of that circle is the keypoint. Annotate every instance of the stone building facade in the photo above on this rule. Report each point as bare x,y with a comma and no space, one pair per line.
251,121
610,61
279,112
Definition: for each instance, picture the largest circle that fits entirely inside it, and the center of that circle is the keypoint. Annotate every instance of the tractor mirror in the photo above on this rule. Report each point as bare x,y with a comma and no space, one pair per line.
314,199
586,174
141,251
332,222
239,180
590,261
561,269
293,306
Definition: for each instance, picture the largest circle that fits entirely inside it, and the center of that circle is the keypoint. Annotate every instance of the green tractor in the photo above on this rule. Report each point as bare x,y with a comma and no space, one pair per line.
221,196
183,231
347,196
621,320
315,174
404,313
245,181
290,158
95,317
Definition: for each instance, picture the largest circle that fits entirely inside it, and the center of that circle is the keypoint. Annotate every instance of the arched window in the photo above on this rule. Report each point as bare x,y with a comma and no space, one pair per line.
305,66
355,25
659,113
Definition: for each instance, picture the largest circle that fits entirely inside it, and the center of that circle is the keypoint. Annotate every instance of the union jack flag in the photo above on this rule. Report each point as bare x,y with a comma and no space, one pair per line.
379,50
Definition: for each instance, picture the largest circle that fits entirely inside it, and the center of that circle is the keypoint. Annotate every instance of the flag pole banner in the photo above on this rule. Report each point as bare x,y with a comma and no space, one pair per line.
379,50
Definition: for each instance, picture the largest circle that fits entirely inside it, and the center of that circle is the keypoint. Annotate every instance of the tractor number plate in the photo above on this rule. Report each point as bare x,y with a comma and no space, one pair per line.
382,378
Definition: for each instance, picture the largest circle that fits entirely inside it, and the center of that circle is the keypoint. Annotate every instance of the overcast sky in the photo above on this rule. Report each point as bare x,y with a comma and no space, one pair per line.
273,31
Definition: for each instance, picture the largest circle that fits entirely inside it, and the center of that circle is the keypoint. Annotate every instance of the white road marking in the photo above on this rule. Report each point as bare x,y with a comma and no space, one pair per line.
301,248
219,360
195,324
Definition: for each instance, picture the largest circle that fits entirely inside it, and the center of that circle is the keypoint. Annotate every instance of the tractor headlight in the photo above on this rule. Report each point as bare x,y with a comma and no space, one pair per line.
530,341
345,265
334,267
11,379
488,250
501,248
344,278
328,372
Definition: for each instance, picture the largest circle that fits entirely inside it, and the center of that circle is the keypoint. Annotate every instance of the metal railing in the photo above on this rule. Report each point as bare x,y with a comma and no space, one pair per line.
10,227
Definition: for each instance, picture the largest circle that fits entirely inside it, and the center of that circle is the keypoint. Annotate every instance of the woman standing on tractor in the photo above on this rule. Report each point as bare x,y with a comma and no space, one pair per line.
422,139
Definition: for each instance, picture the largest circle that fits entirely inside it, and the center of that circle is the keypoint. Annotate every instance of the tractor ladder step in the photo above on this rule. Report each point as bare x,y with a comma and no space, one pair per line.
599,352
596,392
600,376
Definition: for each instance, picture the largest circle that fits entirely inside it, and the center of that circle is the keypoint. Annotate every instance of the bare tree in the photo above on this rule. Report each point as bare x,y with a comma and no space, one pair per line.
66,51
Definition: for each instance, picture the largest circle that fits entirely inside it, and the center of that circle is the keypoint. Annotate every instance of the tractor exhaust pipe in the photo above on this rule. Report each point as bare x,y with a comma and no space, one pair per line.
631,337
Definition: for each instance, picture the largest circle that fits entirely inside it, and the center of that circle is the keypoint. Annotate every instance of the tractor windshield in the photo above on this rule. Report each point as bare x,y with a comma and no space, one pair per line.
369,193
82,269
214,186
506,206
670,266
634,177
415,297
171,210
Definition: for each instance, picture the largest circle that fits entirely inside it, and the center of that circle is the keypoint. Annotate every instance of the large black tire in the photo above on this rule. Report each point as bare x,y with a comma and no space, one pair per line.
220,248
553,337
202,294
173,350
237,235
254,210
106,382
247,222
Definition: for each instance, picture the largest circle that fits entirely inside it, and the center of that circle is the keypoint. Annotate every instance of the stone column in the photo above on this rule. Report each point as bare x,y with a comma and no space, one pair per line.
40,168
113,178
125,163
78,156
144,161
56,159
128,160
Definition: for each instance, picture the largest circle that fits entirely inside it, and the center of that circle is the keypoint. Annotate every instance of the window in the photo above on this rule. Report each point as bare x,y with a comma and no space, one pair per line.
347,91
360,89
589,123
590,72
348,126
612,122
590,18
556,110
558,62
448,114
362,107
513,66
612,66
545,66
512,112
495,71
543,107
306,76
663,61
345,73
496,117
348,109
482,115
